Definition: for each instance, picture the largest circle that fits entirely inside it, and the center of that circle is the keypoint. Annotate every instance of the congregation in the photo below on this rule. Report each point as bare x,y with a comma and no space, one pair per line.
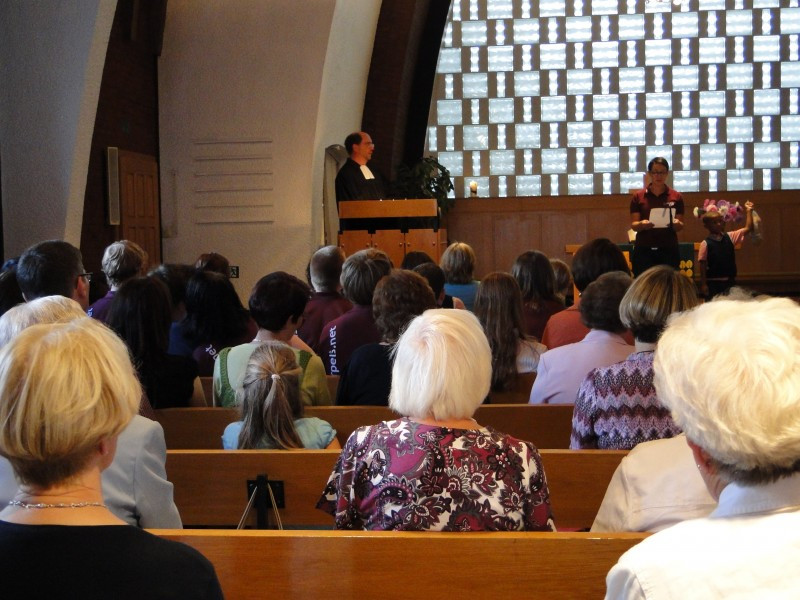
433,344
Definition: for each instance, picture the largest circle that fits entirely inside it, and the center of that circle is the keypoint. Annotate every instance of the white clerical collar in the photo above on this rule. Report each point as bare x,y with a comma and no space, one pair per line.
366,172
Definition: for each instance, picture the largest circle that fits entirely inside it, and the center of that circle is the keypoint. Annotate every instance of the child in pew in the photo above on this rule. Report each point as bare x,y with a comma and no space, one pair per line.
272,412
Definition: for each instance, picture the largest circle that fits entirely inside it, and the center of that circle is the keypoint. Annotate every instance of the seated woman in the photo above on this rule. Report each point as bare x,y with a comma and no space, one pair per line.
729,371
398,298
276,303
498,307
458,264
436,468
141,315
617,406
215,319
537,281
66,392
562,370
272,412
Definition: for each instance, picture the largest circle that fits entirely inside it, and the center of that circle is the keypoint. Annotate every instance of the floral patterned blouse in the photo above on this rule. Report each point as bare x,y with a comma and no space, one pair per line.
403,475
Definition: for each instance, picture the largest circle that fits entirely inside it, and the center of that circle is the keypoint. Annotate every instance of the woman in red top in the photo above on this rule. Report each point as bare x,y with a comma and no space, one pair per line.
656,245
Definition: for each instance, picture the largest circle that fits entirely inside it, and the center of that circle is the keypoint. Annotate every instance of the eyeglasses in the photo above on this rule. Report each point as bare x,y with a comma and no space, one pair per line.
659,173
87,277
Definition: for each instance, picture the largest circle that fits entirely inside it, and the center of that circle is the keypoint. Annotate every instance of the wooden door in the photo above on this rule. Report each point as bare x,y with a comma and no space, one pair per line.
140,202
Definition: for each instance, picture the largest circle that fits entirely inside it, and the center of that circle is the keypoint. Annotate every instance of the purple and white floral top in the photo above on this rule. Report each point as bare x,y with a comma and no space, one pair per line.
617,407
402,475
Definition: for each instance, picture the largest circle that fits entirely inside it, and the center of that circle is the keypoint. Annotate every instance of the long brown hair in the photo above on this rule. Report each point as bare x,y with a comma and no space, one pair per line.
270,398
498,306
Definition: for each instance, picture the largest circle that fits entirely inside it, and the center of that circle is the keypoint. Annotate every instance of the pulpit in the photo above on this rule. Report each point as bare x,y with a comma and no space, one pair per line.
394,226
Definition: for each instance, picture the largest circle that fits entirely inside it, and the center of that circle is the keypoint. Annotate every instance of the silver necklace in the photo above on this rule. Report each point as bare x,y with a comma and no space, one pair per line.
22,504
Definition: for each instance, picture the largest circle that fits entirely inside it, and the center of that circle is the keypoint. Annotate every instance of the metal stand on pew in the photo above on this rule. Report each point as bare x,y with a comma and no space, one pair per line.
263,494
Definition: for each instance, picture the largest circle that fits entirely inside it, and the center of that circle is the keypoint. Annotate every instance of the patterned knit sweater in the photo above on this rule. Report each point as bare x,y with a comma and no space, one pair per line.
617,407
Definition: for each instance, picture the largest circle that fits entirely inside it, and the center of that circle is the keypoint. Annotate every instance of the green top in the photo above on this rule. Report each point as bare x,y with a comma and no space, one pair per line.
231,363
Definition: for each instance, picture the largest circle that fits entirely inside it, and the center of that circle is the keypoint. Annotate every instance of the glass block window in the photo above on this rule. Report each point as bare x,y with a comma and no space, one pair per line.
553,97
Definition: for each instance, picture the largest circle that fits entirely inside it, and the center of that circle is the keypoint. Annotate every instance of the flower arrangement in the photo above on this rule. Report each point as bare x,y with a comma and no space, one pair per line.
729,212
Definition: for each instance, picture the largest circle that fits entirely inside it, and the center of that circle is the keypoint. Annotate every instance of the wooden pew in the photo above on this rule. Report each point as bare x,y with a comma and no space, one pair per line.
201,428
388,564
211,489
520,392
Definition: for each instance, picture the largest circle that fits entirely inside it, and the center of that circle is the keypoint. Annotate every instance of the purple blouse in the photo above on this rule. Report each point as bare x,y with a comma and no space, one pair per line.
403,475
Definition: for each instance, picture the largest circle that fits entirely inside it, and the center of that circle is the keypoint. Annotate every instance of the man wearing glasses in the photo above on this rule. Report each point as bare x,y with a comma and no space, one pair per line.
355,180
656,236
53,268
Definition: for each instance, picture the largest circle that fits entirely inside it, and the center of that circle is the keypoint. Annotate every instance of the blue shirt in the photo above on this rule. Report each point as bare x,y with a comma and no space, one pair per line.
315,434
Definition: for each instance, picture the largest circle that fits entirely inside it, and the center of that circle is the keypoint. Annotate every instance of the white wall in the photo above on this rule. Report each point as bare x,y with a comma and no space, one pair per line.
51,64
293,72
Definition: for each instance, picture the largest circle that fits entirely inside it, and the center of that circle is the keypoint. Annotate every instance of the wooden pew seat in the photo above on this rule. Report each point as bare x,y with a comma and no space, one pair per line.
211,488
341,564
201,428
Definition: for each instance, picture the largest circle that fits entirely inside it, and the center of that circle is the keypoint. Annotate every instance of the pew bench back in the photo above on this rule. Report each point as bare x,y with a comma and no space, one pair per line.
201,428
211,485
304,564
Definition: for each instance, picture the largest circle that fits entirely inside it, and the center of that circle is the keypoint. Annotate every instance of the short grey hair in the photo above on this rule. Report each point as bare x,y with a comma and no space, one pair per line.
123,260
442,366
729,371
47,309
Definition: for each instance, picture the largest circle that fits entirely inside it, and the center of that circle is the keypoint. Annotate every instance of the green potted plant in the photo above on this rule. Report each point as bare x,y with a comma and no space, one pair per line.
427,178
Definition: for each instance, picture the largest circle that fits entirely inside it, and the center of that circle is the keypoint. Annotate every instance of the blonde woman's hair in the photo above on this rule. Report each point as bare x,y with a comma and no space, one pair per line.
270,398
48,309
63,388
458,263
652,298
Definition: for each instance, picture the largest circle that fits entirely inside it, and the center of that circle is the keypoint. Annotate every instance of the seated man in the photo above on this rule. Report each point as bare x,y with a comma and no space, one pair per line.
327,303
339,338
53,268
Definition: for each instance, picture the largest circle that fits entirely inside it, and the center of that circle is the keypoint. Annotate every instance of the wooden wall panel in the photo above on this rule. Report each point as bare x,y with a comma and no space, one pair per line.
499,229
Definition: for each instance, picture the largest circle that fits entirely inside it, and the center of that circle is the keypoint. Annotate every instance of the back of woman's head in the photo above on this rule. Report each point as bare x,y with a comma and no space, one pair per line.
498,306
213,308
594,258
398,298
653,297
63,388
213,262
600,302
414,259
141,315
361,272
442,366
270,398
563,277
176,277
458,263
122,260
276,298
48,309
535,277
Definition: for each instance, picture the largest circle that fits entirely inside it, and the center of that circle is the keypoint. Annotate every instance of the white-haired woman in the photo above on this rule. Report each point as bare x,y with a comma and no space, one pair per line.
436,468
729,371
66,392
